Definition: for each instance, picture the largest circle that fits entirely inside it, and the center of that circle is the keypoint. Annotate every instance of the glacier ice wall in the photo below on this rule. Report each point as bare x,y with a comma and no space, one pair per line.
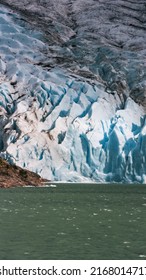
60,124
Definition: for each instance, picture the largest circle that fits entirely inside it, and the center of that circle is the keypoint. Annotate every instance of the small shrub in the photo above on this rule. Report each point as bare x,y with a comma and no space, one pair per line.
23,173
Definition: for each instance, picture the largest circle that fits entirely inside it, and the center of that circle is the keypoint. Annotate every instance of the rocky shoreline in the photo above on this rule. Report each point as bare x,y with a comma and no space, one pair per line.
14,176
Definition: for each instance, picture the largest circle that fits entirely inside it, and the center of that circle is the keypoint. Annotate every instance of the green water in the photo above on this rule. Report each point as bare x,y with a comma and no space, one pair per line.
73,222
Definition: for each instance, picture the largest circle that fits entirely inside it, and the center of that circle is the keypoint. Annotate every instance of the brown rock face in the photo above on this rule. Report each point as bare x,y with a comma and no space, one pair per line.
14,176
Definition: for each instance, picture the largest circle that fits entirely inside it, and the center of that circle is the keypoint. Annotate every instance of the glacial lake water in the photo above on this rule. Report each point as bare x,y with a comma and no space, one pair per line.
73,221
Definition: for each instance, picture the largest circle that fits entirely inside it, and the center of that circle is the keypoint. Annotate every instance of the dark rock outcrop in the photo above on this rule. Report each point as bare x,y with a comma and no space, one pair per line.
13,176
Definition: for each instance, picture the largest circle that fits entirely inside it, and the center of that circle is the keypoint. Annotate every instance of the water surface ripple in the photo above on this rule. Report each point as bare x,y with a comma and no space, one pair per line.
73,221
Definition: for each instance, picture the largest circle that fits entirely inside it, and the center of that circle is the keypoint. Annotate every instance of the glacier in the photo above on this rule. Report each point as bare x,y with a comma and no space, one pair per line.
67,125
